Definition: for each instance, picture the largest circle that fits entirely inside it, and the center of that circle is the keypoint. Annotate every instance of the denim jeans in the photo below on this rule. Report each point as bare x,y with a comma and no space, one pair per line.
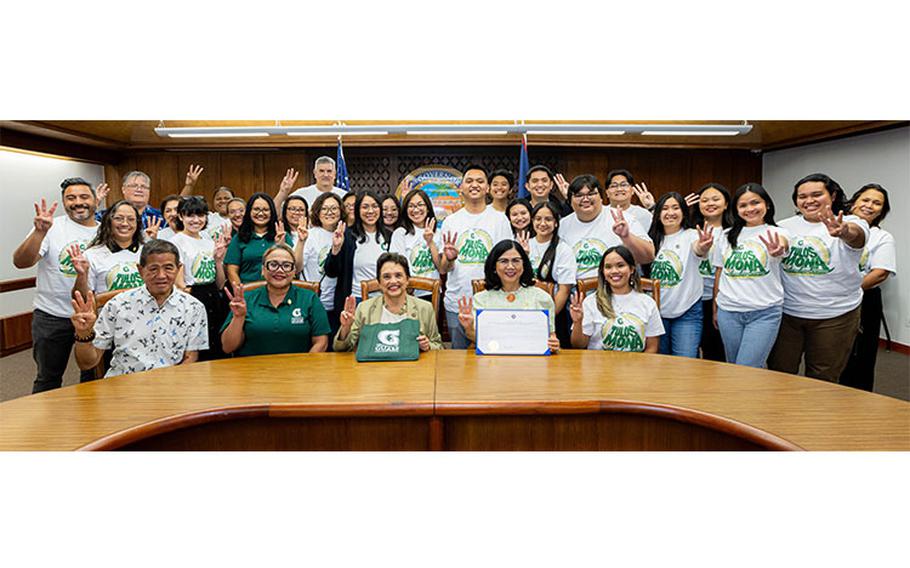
456,332
749,336
52,342
683,334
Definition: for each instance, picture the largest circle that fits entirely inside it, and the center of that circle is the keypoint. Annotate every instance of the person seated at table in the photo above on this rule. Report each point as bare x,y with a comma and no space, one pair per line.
618,317
278,317
509,284
392,306
148,327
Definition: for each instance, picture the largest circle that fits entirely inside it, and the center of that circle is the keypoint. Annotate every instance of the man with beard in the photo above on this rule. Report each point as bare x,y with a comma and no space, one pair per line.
48,245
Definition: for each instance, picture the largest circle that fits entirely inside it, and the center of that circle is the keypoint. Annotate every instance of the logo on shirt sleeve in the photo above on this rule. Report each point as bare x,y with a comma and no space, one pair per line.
808,256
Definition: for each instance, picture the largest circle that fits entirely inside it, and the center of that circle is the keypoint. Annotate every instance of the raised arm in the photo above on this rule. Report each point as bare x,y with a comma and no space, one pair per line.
83,318
192,176
641,249
576,312
232,337
286,185
27,254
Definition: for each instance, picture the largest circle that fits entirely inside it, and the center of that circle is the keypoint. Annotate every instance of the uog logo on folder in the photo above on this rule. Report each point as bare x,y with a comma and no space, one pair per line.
389,341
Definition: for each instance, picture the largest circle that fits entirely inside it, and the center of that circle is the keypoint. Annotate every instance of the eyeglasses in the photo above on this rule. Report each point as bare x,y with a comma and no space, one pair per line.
509,262
296,210
260,210
277,265
122,219
582,196
623,185
329,210
136,186
416,206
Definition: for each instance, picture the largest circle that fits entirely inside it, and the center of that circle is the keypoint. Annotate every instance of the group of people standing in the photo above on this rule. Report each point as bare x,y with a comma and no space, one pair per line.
735,285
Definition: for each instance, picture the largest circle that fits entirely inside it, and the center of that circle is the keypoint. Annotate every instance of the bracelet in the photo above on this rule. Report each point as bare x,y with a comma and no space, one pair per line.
87,339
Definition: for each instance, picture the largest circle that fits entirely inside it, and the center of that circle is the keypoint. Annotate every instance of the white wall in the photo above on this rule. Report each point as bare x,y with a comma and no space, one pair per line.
25,179
882,157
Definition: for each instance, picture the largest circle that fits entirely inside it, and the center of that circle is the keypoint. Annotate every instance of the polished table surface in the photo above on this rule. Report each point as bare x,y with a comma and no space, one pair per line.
789,411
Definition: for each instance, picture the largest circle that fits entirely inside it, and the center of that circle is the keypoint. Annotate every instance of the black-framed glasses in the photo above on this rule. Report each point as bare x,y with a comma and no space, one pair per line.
277,265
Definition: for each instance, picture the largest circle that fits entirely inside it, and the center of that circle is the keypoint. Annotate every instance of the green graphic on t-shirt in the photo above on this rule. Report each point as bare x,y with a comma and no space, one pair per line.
808,257
321,258
863,259
474,246
705,268
123,277
421,261
745,261
204,269
667,268
623,335
588,254
65,261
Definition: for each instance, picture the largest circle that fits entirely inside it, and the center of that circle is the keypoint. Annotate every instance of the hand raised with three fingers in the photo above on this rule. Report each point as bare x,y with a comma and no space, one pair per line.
154,225
84,316
705,240
221,244
835,225
645,196
449,249
576,312
429,230
237,302
44,217
192,175
347,314
338,237
620,225
466,312
522,238
776,247
289,180
80,263
101,194
562,185
303,230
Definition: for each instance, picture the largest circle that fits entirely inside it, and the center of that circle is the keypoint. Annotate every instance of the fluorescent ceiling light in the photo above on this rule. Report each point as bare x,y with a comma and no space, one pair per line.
216,134
458,132
690,133
336,133
577,132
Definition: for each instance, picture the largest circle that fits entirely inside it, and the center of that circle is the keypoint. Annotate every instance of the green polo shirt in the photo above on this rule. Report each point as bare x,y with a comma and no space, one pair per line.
248,256
289,328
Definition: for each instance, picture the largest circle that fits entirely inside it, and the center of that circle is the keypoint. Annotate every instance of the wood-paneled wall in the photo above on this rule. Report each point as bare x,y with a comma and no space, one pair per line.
247,172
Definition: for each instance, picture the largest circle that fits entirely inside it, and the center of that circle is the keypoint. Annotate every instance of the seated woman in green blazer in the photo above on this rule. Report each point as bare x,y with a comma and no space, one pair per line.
394,305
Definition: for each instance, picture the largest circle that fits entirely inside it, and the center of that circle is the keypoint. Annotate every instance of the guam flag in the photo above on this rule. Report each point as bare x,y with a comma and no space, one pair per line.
523,168
341,170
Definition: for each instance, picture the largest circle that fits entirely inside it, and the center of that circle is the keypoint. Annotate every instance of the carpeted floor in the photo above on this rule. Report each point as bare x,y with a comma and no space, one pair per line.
17,373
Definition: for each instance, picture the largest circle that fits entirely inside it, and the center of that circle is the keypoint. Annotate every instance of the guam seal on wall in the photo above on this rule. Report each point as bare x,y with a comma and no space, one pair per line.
440,183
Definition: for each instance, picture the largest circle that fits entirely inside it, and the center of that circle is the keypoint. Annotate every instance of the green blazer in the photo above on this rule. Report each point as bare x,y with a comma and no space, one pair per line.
370,311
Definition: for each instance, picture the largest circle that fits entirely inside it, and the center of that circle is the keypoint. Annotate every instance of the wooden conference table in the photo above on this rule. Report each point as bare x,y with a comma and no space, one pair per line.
577,400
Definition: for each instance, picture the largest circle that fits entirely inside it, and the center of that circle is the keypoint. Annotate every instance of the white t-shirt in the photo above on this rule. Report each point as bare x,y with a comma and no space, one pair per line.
197,257
636,319
166,233
316,250
590,240
676,266
215,225
311,192
416,250
880,252
706,269
564,269
821,273
477,235
750,279
56,275
112,270
640,214
365,256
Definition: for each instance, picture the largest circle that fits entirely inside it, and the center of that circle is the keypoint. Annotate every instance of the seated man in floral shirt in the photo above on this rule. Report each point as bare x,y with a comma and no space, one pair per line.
148,327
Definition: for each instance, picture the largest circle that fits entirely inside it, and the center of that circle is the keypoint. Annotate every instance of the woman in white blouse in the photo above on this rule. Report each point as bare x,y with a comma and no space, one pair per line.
878,261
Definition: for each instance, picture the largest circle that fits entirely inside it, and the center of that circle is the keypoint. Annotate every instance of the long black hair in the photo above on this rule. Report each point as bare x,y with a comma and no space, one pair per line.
832,187
405,220
657,231
518,202
105,234
284,210
386,197
696,215
357,230
886,206
544,271
737,227
192,205
492,280
604,294
245,233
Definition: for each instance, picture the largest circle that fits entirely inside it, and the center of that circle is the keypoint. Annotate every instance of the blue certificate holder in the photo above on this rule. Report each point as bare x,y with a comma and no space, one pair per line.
511,332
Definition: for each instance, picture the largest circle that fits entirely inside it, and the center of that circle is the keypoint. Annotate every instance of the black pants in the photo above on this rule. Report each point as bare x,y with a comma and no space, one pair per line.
712,346
216,310
564,327
334,324
860,370
52,342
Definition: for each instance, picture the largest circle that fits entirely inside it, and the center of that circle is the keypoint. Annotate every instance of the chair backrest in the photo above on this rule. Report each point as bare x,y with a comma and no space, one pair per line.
305,284
548,287
648,285
431,285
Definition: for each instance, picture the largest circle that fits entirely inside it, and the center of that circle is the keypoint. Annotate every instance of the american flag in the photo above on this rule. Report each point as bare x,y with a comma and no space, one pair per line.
341,170
523,168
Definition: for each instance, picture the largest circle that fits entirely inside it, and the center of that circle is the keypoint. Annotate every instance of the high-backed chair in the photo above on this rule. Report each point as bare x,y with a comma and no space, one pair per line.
548,287
430,285
648,285
305,284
